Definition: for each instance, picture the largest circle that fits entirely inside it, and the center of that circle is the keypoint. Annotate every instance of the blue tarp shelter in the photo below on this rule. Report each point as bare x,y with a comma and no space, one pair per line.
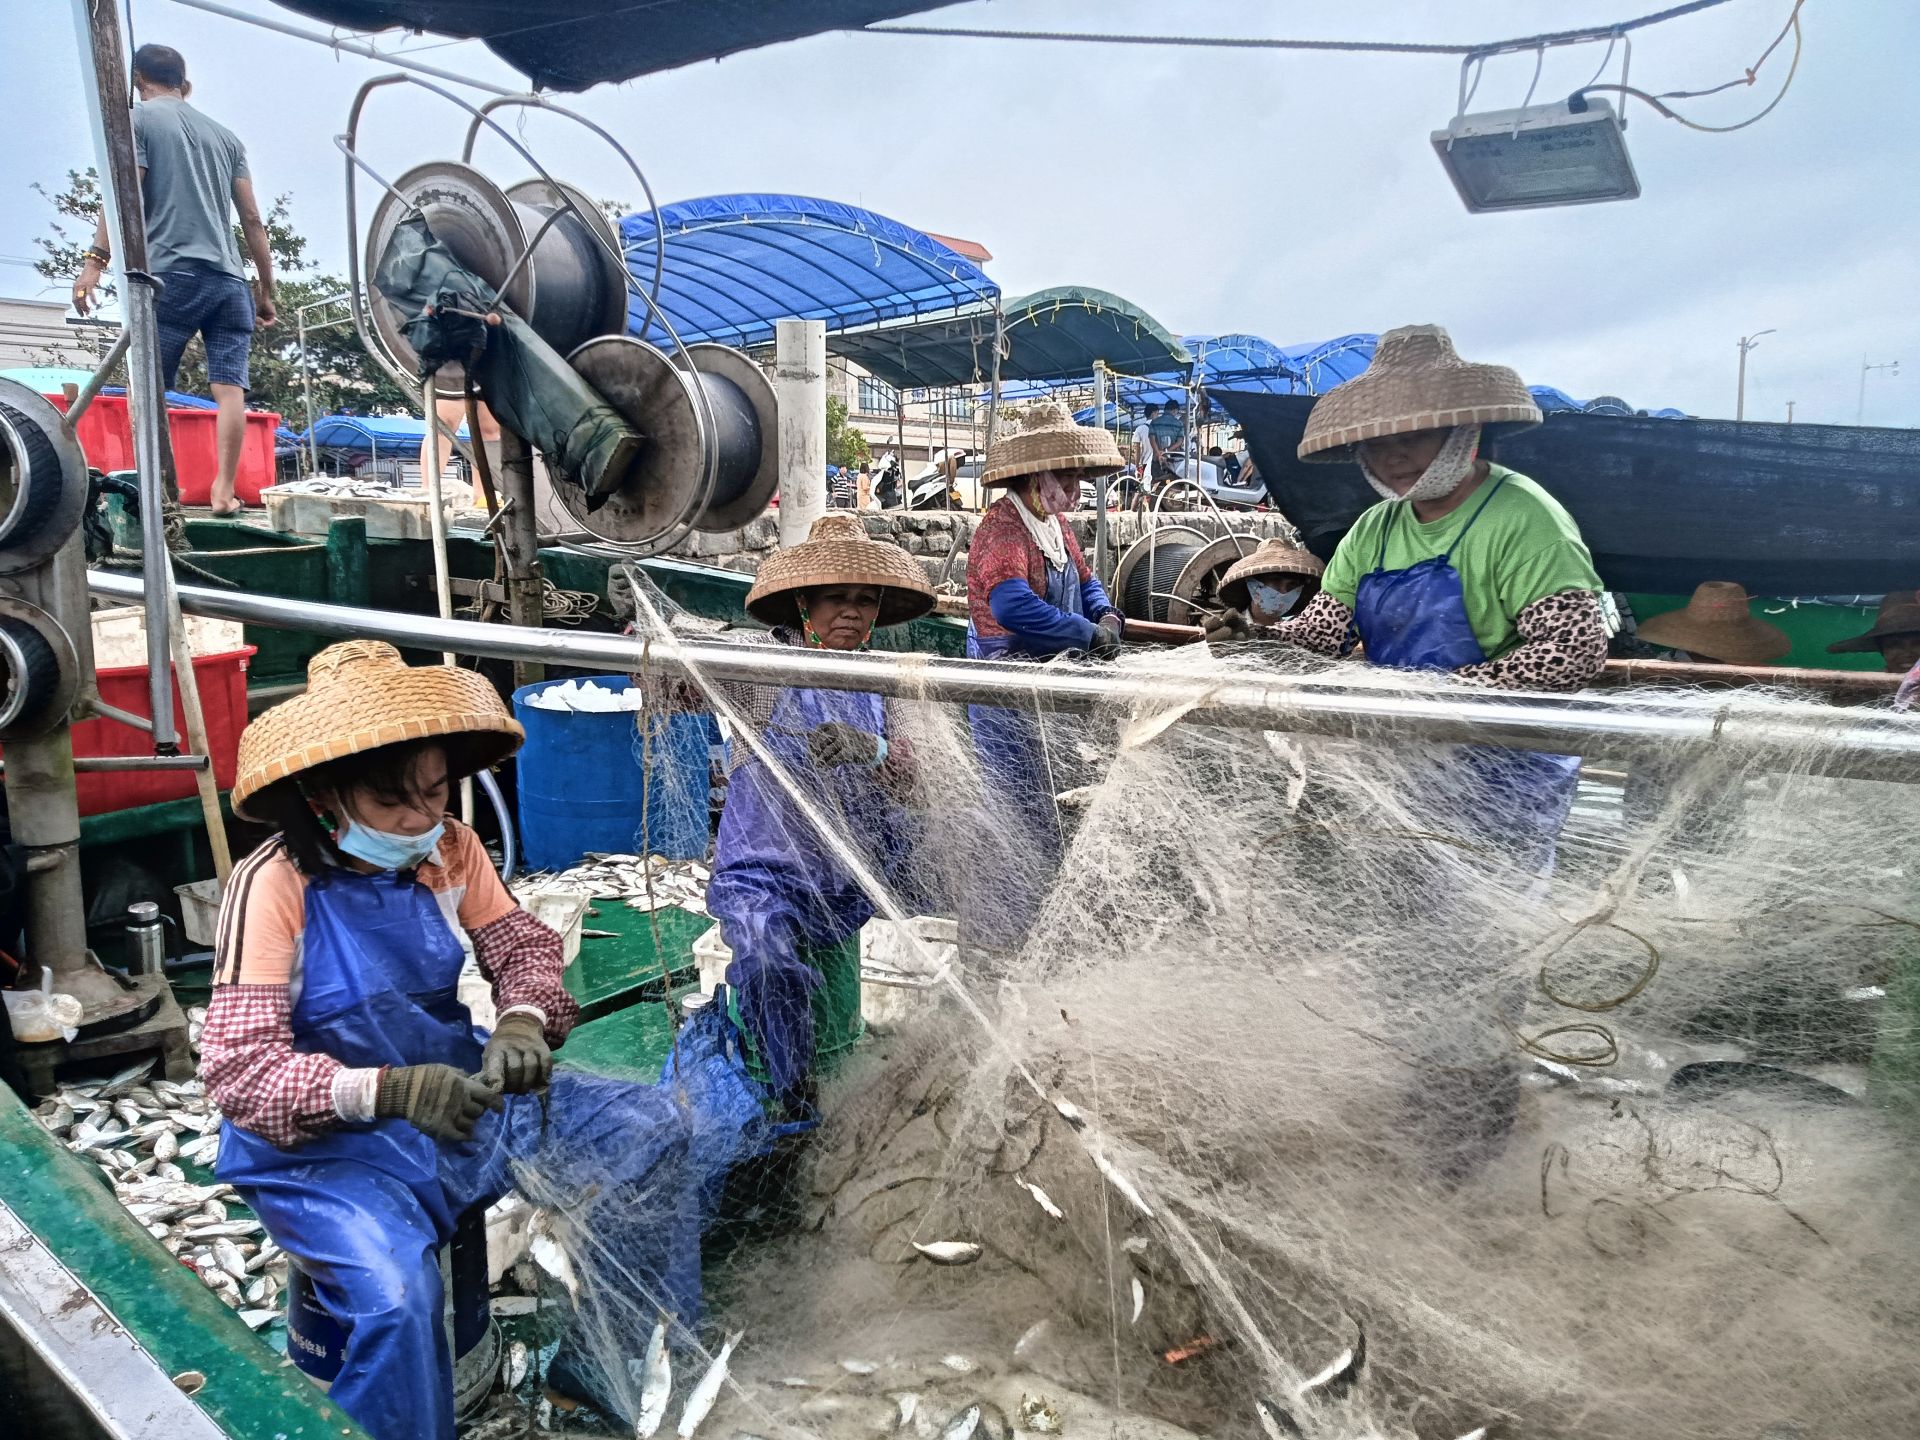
370,434
734,264
1048,337
1558,402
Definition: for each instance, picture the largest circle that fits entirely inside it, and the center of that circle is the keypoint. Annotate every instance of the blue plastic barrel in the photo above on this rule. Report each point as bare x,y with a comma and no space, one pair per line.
582,787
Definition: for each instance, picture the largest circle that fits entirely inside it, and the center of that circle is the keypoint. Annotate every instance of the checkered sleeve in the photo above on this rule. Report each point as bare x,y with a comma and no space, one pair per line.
253,1073
524,960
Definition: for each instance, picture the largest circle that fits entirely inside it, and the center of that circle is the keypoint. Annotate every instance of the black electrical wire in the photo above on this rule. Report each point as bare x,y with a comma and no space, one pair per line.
1658,101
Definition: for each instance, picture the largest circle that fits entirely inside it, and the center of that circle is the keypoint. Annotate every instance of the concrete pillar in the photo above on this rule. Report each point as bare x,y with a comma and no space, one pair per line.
800,388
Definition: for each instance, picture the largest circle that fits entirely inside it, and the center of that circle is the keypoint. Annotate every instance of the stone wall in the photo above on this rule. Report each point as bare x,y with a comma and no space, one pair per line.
932,535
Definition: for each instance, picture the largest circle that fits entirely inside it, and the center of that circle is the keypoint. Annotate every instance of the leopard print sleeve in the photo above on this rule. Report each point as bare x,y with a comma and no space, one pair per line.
1563,644
1324,627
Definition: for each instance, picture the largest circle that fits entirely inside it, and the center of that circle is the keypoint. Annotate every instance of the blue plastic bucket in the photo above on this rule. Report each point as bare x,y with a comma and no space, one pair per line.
582,787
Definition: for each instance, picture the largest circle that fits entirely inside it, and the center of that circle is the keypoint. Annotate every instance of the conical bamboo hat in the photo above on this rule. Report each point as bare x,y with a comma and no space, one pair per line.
1416,382
360,696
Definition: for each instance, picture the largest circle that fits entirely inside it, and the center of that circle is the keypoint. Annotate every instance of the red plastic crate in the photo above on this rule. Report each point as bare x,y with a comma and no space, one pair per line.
105,434
223,699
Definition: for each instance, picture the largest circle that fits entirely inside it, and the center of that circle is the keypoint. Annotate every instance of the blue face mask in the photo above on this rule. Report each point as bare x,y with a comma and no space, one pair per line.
386,850
1269,602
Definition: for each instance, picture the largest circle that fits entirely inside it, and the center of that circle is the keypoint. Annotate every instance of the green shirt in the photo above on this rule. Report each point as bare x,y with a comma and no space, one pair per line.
1524,548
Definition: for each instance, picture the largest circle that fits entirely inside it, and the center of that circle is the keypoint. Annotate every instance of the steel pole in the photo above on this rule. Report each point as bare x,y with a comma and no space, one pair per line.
1872,745
800,393
519,540
1740,394
306,390
97,28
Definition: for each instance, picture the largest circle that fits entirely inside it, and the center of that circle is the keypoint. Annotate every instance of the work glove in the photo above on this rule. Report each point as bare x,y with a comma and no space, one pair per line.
1227,625
1909,688
437,1100
836,743
1105,644
517,1058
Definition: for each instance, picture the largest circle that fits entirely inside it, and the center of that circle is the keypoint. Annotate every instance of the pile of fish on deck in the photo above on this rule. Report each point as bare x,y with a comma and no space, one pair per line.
139,1131
602,876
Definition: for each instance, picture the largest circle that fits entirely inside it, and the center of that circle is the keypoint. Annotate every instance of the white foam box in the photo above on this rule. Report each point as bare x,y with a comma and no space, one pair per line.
120,637
895,981
403,517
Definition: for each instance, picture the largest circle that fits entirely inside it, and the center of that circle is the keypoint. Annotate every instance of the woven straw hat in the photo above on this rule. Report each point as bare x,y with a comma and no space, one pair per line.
1899,615
838,551
1416,382
1717,625
362,695
1273,556
1046,438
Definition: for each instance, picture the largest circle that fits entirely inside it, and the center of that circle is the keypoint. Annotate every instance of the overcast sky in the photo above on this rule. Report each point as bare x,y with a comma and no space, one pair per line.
1291,195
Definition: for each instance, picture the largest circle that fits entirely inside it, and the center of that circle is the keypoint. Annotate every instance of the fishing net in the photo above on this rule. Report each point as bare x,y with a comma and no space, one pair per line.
1302,1096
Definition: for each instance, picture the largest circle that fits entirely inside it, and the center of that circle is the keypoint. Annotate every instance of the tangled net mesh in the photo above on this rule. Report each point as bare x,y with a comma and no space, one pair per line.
1306,1107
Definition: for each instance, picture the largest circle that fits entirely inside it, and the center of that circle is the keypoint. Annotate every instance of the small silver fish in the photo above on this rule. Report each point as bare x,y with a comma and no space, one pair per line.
1479,1432
513,1368
656,1384
858,1367
1122,1184
166,1146
128,1111
708,1390
796,1382
1038,1415
1070,1113
950,1252
1338,1377
908,1403
962,1426
1040,1197
1135,1244
1139,1300
1030,1336
960,1364
227,1256
1275,1422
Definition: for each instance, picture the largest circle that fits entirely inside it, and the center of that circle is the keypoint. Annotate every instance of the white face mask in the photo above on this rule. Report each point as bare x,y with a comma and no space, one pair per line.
1269,602
1449,469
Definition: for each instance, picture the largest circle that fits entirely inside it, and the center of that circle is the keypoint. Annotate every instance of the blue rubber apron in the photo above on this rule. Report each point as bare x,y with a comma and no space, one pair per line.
364,1209
1416,619
1012,753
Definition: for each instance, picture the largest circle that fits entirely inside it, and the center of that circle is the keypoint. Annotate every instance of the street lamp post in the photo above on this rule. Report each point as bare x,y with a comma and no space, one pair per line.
1747,342
1860,410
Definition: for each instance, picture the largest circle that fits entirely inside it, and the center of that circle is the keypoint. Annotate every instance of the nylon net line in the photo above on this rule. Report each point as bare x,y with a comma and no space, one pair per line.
1315,1089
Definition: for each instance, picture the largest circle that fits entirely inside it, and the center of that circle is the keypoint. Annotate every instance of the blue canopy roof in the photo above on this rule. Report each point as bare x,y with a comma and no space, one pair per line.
734,264
370,432
1558,402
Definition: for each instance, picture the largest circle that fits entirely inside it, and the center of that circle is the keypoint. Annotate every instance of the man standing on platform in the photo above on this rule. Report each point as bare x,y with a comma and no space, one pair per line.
193,177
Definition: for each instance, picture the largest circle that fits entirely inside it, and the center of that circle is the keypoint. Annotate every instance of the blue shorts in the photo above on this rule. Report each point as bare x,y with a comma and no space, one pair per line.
213,304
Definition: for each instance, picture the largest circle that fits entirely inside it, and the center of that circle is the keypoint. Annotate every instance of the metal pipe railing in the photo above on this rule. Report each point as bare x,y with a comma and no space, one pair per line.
1855,743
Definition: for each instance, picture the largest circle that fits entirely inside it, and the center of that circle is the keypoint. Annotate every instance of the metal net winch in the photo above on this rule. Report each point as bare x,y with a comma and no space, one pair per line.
702,453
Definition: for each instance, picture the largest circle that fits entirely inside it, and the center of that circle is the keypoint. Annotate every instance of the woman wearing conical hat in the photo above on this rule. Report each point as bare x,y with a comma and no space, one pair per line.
786,904
364,1112
1464,565
1031,595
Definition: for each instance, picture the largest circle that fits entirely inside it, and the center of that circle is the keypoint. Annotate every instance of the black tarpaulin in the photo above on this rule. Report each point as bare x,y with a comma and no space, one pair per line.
577,44
1665,504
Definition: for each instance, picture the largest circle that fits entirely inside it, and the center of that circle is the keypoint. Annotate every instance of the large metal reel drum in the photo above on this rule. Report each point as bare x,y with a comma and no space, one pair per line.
668,487
1151,564
749,425
1196,589
674,487
43,487
570,289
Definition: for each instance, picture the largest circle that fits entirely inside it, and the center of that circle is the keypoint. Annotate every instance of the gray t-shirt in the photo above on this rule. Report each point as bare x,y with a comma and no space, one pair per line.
191,164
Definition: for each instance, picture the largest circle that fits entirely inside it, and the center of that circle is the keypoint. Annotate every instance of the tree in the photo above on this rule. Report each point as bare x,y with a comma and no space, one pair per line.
845,445
342,372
